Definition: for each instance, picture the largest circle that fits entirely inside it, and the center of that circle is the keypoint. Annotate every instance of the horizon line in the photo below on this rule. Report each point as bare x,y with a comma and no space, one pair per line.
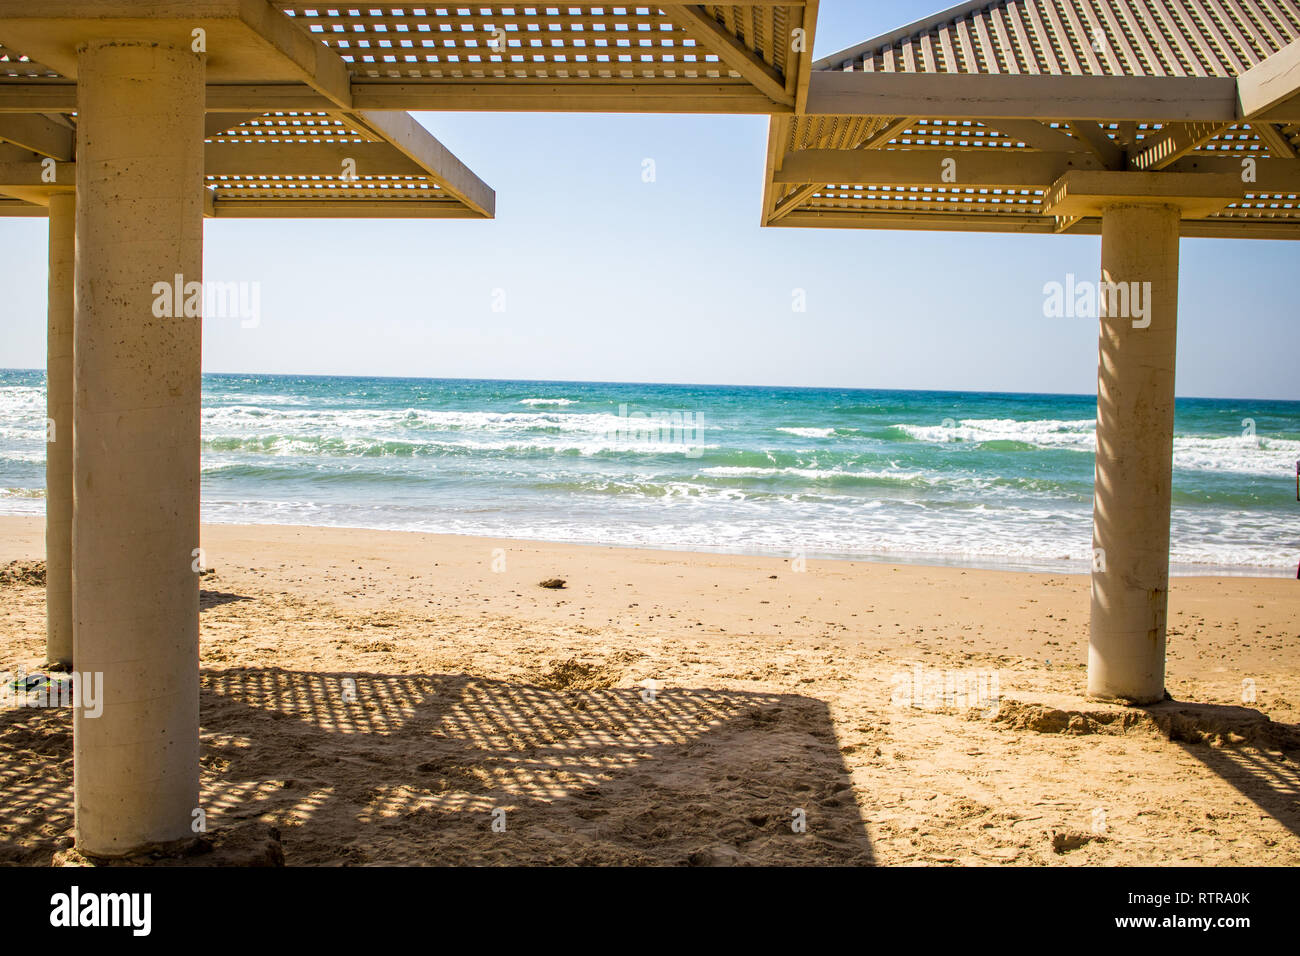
845,388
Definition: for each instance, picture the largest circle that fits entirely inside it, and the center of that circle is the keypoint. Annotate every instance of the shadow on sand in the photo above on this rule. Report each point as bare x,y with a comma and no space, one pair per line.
406,769
1265,772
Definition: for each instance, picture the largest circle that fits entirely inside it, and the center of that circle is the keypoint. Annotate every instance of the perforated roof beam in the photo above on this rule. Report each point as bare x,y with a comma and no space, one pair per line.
38,134
1026,96
1271,88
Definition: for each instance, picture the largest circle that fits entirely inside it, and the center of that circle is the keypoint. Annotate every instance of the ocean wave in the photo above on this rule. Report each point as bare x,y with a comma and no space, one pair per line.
307,446
1254,455
1045,433
18,402
666,489
1034,539
22,492
237,418
26,457
818,474
809,432
252,400
1235,454
547,401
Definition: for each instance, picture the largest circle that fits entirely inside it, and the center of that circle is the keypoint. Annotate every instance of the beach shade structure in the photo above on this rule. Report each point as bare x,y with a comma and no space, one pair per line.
1138,121
282,165
160,92
666,57
136,403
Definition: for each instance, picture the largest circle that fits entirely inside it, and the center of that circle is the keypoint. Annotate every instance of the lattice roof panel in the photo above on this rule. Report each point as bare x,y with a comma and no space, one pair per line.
293,127
747,57
290,164
850,132
1271,214
1083,38
540,41
232,187
294,162
884,171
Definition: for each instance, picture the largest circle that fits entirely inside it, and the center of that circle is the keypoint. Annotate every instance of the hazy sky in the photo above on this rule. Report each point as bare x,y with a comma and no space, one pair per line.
607,277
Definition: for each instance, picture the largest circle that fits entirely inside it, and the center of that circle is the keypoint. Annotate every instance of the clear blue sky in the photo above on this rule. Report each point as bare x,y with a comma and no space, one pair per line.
609,278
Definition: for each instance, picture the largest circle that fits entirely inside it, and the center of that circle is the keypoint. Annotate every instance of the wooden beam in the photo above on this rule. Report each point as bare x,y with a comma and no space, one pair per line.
1007,223
925,222
287,159
567,96
259,98
1087,193
1037,135
61,97
542,96
793,201
18,208
900,167
40,135
316,159
778,135
1271,84
887,133
340,209
1239,229
917,167
26,174
1102,146
1024,96
1172,143
41,96
316,64
214,123
881,137
1272,137
420,146
1271,175
803,70
717,39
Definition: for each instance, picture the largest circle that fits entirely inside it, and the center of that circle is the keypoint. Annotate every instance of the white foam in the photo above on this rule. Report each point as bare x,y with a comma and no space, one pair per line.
236,420
1236,454
1046,433
809,432
813,474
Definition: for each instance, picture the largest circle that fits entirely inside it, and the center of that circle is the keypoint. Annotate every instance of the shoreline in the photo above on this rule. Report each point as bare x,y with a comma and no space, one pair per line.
896,559
876,603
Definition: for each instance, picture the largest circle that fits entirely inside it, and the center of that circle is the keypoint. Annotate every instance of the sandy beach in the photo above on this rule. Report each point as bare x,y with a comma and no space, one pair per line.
402,698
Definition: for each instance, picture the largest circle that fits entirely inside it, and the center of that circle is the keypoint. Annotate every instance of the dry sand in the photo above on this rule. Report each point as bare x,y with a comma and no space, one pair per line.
482,697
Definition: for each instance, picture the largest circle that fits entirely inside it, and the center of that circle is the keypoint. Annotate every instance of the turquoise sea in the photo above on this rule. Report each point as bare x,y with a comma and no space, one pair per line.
1001,480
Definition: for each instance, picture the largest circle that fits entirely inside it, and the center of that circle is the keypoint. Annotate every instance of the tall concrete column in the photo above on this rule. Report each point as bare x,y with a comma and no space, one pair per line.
58,446
1135,431
136,436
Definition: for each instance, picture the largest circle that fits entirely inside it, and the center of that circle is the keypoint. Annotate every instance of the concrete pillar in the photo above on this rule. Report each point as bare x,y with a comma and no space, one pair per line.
58,447
1135,429
136,439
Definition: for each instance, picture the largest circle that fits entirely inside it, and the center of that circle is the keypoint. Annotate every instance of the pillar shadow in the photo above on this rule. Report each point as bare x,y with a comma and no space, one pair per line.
415,769
1254,754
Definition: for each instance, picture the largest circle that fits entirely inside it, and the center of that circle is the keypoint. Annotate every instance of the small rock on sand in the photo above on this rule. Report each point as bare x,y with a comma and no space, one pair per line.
722,854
